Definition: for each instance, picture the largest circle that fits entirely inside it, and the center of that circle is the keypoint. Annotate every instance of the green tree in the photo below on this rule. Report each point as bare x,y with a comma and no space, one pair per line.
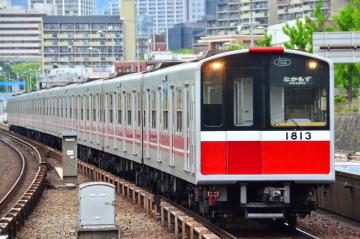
300,34
184,51
29,72
348,75
265,41
235,46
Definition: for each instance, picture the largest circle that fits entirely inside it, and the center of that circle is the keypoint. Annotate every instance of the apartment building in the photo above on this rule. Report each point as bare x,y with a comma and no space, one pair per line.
5,3
20,34
112,8
254,16
167,13
66,8
89,41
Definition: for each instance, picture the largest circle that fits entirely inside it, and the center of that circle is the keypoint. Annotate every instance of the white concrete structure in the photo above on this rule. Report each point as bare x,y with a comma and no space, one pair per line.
166,13
20,34
68,7
5,3
278,36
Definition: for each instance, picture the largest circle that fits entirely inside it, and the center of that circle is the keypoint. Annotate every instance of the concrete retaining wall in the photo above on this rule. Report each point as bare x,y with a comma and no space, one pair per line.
347,133
342,197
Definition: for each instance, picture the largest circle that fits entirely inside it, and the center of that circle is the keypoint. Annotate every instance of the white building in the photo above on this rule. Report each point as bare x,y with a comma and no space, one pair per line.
111,8
167,13
20,34
66,8
196,10
5,3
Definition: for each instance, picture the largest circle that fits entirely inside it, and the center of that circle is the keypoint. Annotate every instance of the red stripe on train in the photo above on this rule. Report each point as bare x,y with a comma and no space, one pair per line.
265,157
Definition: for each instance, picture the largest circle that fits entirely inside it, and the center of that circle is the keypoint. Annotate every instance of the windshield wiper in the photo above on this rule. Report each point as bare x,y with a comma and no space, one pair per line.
296,123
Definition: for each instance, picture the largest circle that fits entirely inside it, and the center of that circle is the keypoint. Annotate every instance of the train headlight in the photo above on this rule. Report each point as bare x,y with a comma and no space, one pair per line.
312,65
217,65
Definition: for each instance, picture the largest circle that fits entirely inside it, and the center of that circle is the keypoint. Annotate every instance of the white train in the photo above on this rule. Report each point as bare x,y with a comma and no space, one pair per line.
243,133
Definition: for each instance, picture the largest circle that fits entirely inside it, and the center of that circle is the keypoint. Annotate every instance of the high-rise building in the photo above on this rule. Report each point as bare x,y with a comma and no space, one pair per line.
254,16
112,8
181,35
167,13
196,10
66,8
20,34
127,13
89,41
5,3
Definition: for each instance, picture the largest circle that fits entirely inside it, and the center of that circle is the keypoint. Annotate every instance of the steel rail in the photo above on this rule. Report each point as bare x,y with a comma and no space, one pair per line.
16,184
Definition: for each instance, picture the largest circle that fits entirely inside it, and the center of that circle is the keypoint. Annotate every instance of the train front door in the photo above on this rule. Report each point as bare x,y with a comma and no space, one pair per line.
243,114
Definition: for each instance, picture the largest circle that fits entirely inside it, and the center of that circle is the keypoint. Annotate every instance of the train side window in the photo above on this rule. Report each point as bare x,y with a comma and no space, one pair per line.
138,109
179,108
129,108
135,105
165,108
243,88
71,105
110,104
82,108
93,106
119,111
212,94
87,105
153,109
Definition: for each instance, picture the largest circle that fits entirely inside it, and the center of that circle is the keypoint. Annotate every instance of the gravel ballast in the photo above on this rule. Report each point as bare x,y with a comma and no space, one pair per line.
57,216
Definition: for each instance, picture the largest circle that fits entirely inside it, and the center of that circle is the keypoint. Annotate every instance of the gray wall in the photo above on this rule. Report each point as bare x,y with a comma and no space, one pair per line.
347,133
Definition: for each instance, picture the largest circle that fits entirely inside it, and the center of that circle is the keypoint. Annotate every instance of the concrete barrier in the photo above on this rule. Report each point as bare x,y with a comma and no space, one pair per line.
342,197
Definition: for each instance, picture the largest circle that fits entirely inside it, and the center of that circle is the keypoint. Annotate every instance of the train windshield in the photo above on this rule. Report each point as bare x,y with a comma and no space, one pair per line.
265,91
298,92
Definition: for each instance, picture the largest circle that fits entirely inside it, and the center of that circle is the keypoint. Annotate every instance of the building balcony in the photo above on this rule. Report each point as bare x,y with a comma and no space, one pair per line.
94,43
48,59
97,36
47,36
79,43
110,44
296,10
81,59
97,59
63,43
245,8
65,59
77,36
62,36
260,14
48,43
109,59
245,16
109,36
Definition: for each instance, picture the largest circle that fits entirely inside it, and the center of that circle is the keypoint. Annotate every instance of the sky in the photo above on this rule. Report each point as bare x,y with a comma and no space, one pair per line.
100,4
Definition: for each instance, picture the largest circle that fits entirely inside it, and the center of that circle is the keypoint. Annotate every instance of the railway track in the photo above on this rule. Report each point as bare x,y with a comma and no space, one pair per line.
17,204
188,221
17,179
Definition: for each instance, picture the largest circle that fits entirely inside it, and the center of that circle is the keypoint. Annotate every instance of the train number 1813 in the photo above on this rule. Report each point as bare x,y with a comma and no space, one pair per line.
298,135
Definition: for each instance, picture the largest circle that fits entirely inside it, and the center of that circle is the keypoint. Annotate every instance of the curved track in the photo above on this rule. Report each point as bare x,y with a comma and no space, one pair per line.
283,231
13,169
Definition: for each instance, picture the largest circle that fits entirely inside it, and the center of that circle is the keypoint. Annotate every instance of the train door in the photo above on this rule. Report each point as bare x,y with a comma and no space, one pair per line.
188,128
134,120
243,121
123,95
115,120
172,125
97,118
147,122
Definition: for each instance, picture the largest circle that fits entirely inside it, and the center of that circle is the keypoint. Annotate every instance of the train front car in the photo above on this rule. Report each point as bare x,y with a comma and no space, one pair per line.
266,137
